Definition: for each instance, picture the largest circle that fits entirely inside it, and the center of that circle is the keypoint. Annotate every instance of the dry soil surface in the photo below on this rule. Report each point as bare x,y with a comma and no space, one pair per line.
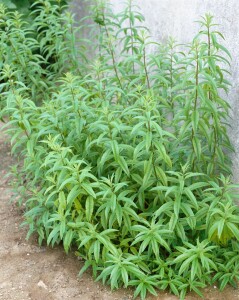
28,271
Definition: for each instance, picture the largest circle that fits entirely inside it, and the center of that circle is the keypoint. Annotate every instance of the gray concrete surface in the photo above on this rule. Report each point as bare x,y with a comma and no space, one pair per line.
177,18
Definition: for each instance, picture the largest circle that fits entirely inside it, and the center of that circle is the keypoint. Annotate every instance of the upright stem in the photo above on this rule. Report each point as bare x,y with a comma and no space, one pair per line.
145,67
131,33
197,81
171,81
210,98
195,98
73,48
209,53
112,52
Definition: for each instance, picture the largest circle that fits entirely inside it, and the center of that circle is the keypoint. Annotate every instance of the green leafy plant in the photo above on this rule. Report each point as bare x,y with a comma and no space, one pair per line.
125,151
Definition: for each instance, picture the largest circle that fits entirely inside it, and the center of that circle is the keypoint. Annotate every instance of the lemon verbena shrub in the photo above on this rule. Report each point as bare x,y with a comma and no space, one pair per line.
128,157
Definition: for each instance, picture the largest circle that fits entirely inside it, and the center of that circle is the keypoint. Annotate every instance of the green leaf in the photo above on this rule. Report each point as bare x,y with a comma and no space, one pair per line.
197,147
164,209
191,197
74,193
234,229
195,120
89,207
68,239
55,232
86,266
87,187
123,164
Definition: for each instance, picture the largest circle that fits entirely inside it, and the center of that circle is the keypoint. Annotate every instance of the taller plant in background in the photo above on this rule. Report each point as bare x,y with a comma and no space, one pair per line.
205,113
128,158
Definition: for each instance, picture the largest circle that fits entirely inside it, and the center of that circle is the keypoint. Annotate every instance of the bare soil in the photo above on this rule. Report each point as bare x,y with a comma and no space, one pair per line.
30,272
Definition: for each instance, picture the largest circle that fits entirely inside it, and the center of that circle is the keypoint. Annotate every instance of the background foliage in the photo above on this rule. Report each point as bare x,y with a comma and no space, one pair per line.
26,7
125,152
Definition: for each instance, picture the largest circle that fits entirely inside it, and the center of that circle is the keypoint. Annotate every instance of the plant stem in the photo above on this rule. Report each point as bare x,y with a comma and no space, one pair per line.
195,98
112,52
145,67
131,33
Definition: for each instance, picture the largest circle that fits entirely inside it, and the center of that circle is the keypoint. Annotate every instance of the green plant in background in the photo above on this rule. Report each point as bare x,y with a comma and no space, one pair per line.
34,54
126,152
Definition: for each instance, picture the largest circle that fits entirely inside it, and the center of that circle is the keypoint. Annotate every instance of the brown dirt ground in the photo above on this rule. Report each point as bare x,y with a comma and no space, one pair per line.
30,272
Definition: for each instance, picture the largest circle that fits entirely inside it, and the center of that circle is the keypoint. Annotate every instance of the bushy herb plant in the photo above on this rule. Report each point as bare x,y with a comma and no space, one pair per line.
127,158
34,55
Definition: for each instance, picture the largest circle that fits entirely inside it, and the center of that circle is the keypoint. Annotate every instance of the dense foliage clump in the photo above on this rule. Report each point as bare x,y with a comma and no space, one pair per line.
126,153
26,6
